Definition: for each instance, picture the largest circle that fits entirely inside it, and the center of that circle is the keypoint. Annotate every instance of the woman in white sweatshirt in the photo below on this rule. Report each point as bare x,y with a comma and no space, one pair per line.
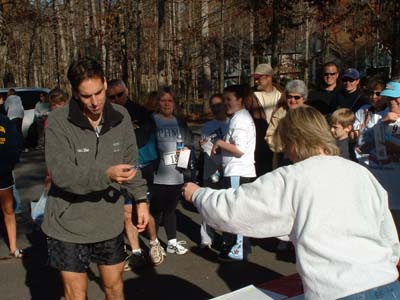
333,210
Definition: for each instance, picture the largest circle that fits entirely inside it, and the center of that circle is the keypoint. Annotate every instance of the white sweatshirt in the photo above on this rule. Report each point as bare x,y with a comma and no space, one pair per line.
333,210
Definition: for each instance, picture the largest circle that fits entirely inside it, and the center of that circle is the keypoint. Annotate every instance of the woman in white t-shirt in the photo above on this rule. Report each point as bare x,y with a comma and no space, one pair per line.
237,149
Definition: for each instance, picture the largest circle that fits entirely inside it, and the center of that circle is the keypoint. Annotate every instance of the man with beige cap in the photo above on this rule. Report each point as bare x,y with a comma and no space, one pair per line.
261,105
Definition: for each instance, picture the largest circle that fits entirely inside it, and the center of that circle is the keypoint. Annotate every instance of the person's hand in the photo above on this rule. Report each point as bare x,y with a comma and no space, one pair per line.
216,148
121,173
142,210
188,189
391,117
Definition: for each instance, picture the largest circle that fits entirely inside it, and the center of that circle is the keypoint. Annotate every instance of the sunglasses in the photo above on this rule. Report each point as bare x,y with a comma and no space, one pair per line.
375,94
346,79
119,95
330,74
295,97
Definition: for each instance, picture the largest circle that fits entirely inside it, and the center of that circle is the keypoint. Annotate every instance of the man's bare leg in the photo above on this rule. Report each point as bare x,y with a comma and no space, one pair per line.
113,284
130,230
75,285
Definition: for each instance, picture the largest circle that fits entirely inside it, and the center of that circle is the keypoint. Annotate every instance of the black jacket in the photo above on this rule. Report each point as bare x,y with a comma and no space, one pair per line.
11,143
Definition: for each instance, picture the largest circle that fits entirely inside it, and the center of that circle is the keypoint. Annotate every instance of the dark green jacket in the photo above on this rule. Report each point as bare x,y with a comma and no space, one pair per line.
84,206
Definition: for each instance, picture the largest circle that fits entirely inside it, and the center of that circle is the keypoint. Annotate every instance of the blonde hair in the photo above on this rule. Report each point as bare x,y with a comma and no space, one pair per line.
57,96
342,116
306,132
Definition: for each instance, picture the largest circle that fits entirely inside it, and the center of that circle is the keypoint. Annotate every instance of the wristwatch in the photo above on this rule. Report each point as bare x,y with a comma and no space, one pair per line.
145,200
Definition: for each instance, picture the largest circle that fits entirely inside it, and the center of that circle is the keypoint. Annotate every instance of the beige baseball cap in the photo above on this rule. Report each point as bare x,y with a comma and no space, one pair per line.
263,69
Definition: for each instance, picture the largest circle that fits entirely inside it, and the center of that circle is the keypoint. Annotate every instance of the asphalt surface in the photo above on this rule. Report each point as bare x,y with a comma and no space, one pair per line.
196,275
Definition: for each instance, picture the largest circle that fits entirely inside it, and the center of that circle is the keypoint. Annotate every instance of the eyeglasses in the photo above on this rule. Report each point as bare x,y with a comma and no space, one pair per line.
347,79
375,94
295,97
330,74
119,95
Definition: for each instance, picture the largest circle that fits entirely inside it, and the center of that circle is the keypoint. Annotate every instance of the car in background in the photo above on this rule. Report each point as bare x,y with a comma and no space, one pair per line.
29,97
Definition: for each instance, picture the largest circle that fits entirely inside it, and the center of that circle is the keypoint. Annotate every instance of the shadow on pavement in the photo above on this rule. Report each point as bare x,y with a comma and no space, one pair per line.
42,281
151,285
240,274
271,245
187,226
237,274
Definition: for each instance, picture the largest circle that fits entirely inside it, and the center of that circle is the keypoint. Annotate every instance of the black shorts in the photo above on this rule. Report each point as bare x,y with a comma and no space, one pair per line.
72,257
6,181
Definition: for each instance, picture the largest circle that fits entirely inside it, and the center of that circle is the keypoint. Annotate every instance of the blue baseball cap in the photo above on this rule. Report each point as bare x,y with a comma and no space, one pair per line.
392,90
351,73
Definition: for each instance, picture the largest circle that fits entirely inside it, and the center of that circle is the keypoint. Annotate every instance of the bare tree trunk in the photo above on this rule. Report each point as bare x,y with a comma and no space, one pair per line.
103,34
396,47
251,37
221,50
161,43
61,36
72,27
275,29
56,56
206,84
138,31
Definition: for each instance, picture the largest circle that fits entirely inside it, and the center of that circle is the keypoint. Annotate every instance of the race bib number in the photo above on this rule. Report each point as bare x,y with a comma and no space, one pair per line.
170,158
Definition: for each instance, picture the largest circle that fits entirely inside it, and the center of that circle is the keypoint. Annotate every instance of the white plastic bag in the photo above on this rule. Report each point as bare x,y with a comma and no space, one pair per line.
37,208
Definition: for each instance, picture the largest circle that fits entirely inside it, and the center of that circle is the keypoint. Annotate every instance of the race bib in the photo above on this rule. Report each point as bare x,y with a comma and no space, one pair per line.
170,158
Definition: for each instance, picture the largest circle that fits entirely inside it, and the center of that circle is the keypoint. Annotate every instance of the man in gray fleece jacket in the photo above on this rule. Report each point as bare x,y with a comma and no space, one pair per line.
90,153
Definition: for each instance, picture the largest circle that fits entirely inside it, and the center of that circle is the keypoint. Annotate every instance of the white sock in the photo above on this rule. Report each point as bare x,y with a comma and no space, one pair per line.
137,252
155,242
172,242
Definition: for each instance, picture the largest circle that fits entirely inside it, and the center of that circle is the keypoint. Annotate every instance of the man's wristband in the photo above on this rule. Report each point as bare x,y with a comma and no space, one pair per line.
145,200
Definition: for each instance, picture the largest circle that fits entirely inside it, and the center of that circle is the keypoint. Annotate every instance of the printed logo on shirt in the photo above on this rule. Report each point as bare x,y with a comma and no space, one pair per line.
2,141
2,129
167,132
83,150
117,147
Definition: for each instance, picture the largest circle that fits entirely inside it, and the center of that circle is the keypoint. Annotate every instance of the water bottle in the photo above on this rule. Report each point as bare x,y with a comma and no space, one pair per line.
179,142
215,177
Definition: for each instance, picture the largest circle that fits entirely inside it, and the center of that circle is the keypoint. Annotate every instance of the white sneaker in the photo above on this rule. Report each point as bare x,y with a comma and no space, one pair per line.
177,248
157,253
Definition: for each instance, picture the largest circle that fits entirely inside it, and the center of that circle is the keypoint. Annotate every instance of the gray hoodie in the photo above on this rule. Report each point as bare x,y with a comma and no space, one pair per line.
83,205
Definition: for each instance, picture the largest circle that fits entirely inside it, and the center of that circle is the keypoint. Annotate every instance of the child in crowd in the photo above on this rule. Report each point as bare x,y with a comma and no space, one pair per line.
237,149
341,122
211,132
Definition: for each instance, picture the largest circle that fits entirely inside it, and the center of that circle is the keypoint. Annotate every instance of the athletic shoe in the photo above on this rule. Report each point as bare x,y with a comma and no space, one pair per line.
205,246
157,253
138,261
127,267
177,248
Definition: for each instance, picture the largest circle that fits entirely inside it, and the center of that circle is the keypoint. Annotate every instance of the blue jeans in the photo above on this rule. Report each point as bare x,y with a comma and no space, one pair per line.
389,291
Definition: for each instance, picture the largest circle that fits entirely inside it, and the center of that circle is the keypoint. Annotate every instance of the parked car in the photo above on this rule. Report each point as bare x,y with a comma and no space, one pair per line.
29,97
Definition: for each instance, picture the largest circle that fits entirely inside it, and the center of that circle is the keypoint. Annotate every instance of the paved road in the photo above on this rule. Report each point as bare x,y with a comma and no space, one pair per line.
196,275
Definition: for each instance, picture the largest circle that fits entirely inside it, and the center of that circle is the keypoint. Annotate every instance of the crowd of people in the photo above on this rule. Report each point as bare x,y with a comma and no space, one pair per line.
316,169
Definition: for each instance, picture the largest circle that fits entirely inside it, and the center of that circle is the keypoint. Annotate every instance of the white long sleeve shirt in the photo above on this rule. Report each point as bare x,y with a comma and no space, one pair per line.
333,210
13,107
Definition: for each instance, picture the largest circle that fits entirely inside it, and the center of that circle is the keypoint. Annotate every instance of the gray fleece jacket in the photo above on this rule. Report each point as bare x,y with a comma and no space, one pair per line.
83,205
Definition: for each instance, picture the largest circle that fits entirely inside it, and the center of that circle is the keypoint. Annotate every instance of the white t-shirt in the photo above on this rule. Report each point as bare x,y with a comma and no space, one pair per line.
219,128
242,133
268,101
